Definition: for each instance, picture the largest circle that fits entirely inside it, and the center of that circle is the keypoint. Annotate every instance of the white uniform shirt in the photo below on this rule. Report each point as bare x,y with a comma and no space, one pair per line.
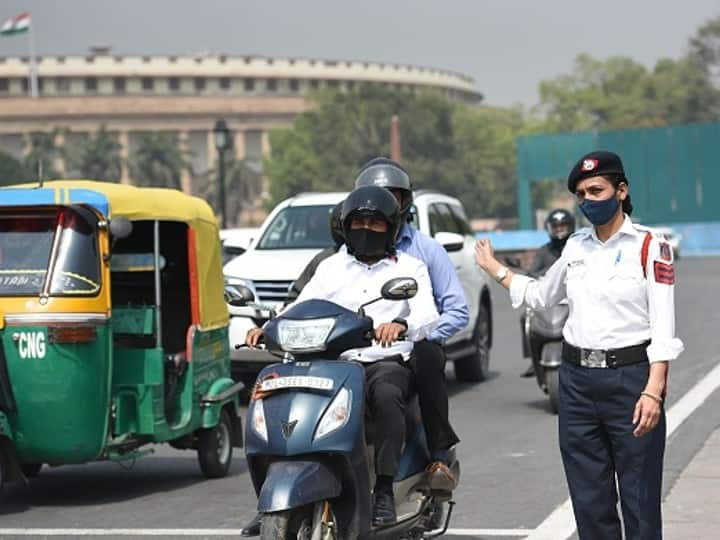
612,304
342,279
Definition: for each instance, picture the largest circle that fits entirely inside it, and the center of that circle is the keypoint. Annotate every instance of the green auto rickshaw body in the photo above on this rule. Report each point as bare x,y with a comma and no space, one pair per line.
109,343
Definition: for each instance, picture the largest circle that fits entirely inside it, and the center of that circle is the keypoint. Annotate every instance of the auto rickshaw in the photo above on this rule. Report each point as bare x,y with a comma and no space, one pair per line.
113,328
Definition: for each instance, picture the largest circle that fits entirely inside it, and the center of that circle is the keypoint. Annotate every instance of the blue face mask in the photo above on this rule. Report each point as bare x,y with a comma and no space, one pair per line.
600,212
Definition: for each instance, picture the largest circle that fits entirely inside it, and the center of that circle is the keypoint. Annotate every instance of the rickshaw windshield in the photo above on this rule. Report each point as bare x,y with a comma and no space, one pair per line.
26,246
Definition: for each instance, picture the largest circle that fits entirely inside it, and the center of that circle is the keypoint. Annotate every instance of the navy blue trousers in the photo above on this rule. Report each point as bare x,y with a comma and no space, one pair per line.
597,444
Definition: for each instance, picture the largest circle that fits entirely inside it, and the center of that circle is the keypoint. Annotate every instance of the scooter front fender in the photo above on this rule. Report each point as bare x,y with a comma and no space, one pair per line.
291,484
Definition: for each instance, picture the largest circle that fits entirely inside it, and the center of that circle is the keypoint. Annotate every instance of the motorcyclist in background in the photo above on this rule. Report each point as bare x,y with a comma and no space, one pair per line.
559,224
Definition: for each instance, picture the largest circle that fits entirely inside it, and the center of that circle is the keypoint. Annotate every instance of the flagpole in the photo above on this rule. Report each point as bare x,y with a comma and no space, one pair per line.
33,64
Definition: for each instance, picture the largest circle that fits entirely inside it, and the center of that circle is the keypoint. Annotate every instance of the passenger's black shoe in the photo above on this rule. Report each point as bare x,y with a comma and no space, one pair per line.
529,372
383,509
252,528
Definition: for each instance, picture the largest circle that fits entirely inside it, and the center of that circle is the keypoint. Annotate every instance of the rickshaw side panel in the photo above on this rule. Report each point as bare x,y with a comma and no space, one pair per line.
61,413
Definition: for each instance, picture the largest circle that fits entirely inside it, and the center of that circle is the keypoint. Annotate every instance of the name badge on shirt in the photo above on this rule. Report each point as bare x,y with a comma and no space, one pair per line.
577,263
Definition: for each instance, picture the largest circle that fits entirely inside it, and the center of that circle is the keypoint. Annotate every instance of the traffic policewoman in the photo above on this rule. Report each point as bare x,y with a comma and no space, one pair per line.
618,340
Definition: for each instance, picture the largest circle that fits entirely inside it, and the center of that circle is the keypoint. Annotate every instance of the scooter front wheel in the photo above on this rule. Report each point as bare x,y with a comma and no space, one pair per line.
295,524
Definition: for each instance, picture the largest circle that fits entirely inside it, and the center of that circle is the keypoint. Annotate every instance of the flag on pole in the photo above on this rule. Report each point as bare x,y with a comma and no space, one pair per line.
16,25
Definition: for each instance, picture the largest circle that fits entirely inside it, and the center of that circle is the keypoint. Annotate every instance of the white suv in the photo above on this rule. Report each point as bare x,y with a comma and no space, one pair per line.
297,229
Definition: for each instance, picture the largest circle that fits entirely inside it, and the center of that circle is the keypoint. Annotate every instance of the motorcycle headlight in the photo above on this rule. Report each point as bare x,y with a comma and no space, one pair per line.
336,415
305,336
258,420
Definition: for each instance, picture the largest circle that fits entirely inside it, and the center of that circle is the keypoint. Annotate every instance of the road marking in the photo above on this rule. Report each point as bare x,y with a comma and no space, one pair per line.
213,532
488,532
561,523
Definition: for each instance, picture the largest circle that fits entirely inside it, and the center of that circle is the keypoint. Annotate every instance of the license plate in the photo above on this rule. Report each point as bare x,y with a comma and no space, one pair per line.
279,383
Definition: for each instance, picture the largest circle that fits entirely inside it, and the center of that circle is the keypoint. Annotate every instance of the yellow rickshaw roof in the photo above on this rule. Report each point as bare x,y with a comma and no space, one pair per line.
136,203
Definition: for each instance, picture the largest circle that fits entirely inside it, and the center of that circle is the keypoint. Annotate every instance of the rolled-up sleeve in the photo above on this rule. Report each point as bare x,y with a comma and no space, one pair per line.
423,316
664,345
540,293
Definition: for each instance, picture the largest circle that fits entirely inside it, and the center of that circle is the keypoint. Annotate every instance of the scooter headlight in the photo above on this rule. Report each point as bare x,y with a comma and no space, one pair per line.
336,415
306,336
258,420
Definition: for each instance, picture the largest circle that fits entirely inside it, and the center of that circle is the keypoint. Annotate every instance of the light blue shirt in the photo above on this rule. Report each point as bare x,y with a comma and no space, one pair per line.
447,292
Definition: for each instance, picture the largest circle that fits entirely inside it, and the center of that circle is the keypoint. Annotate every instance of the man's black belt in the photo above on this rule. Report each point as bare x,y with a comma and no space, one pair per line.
611,358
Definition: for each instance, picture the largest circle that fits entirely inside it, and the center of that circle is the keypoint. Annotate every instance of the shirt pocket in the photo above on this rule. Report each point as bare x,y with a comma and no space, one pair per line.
575,278
626,281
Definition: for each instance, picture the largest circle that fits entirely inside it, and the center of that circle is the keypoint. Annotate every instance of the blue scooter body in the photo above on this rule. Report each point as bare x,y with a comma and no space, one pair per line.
294,468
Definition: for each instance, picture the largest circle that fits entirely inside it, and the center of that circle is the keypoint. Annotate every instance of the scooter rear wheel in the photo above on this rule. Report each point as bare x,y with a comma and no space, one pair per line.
295,524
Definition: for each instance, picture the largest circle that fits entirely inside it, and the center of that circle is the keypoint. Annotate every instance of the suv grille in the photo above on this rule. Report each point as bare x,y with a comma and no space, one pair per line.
272,291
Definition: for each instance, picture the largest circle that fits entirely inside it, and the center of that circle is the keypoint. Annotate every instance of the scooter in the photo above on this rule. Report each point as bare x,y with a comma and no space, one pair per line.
305,446
542,341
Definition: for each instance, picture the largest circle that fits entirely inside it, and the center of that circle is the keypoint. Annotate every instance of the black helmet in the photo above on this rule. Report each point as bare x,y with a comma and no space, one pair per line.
376,202
389,174
336,228
560,224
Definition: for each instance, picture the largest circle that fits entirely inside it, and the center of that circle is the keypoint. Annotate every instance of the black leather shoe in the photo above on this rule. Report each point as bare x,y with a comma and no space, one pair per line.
529,372
252,528
383,509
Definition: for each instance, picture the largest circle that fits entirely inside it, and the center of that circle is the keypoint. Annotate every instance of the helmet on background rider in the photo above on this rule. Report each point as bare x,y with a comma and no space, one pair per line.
559,224
389,174
371,202
336,228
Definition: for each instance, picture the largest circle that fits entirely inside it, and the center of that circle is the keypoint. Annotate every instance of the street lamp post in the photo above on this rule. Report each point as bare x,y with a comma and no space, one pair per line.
222,143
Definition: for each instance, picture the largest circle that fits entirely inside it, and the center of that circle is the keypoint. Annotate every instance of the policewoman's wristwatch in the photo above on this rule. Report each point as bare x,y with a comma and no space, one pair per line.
501,274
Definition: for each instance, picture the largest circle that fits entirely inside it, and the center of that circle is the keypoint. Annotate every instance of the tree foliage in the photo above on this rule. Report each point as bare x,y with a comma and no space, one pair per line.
463,151
13,171
158,160
42,155
97,157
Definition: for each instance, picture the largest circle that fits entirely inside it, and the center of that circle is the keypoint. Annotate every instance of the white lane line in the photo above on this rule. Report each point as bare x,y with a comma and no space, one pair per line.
489,532
213,532
561,523
119,532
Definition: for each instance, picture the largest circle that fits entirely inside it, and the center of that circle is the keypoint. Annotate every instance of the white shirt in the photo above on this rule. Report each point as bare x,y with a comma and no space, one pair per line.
612,303
342,279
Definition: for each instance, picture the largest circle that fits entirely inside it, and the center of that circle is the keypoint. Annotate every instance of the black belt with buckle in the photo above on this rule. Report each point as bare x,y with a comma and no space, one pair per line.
611,358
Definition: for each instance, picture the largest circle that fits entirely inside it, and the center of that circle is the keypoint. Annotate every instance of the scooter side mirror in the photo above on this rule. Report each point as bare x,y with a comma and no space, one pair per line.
238,295
402,288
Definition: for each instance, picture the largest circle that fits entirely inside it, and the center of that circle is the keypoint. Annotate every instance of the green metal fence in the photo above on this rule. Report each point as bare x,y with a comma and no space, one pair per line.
674,172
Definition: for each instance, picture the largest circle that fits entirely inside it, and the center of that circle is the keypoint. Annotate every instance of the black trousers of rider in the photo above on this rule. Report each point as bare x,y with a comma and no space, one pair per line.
597,444
428,366
388,385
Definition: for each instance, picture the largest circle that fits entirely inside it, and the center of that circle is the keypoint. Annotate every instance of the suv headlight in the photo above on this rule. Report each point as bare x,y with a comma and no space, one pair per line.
258,420
336,415
306,336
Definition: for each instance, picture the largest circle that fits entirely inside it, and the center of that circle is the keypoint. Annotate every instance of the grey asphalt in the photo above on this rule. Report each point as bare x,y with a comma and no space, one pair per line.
511,472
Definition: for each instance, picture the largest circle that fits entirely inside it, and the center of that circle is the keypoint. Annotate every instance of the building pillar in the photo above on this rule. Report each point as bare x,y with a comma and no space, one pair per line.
185,178
239,143
59,163
265,143
124,140
211,151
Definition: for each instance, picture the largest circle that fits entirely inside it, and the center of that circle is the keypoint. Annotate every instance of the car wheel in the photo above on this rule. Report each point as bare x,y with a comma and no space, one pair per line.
476,366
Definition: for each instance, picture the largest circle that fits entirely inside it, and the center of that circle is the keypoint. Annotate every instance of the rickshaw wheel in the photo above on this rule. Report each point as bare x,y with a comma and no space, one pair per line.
31,470
215,448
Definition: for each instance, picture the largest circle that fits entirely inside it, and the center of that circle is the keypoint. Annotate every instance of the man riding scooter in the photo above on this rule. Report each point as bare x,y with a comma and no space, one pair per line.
428,362
371,219
559,224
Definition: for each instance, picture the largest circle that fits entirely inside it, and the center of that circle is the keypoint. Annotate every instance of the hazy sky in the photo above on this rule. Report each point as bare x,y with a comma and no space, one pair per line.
506,46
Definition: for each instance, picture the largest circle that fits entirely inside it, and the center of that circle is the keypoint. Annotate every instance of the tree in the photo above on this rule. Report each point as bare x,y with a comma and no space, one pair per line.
704,48
461,150
41,158
98,157
13,171
158,160
243,188
619,93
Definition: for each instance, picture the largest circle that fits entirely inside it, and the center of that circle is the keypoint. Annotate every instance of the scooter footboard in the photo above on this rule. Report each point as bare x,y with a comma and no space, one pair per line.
291,484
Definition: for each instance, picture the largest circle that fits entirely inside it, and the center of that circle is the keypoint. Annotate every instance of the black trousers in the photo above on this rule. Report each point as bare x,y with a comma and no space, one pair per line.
428,366
388,385
596,442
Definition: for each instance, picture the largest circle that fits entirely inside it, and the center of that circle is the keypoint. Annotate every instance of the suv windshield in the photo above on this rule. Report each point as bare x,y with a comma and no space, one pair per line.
299,227
26,241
